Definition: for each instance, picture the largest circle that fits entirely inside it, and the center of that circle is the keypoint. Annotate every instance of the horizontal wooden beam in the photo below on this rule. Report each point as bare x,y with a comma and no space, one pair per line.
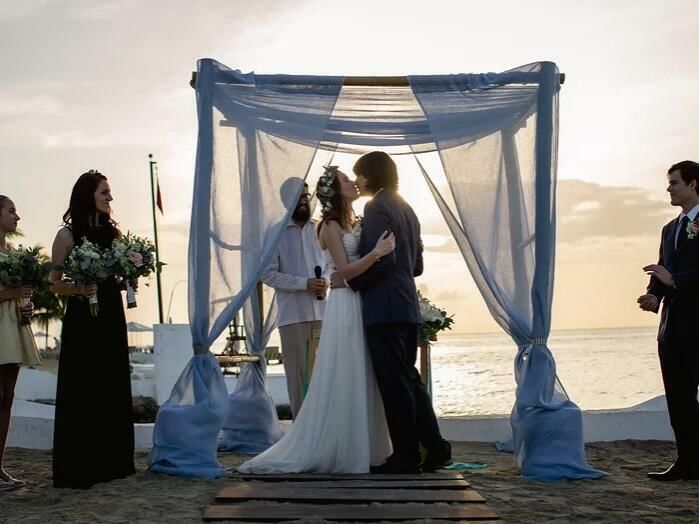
379,81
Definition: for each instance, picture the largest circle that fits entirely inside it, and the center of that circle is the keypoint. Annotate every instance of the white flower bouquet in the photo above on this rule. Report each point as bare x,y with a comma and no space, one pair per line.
433,319
89,264
134,257
22,267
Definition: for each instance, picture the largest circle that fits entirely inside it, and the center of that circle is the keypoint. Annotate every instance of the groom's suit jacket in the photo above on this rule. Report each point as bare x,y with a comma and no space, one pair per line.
679,321
388,287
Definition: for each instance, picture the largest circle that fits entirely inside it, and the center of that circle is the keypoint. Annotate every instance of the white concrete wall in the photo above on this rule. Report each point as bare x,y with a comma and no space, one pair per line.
32,427
33,384
172,350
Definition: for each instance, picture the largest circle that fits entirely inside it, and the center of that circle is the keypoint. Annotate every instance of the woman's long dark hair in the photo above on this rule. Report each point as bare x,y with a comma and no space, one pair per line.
81,211
341,211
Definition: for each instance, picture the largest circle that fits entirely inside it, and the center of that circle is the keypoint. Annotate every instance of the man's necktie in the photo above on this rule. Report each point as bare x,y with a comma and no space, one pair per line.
682,234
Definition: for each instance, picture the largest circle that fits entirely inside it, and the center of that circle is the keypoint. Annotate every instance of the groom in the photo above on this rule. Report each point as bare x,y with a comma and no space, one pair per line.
391,319
675,281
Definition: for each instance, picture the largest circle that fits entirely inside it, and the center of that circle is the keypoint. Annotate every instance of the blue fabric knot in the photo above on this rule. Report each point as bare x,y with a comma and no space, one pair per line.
200,349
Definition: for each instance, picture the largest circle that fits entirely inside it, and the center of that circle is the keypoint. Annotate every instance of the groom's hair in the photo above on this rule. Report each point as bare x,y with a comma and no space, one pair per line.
379,169
688,171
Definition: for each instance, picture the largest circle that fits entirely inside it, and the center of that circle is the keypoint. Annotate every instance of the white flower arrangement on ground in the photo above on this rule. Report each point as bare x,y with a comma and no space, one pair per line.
89,264
134,257
433,319
21,267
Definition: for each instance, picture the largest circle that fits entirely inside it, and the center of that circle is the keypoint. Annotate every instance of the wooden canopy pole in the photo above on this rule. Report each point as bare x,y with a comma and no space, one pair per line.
379,81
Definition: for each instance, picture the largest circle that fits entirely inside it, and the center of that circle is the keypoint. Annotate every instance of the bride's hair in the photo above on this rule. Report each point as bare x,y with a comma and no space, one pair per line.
335,207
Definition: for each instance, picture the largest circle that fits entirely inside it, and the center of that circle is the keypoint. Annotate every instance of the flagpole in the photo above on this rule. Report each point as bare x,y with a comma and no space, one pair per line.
152,163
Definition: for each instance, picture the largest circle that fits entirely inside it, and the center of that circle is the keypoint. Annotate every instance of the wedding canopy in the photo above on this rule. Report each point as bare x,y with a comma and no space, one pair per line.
494,139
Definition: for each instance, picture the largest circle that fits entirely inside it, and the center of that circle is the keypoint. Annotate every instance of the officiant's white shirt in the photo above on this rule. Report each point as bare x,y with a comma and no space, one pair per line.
297,256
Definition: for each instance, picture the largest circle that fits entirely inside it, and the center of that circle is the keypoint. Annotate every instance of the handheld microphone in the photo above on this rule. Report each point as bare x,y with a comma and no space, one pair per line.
318,271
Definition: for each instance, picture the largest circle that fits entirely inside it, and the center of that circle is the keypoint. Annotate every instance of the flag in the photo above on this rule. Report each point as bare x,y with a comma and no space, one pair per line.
158,197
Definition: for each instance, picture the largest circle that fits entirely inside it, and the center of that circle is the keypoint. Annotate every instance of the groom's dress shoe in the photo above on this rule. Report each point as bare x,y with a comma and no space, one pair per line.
437,457
676,472
395,467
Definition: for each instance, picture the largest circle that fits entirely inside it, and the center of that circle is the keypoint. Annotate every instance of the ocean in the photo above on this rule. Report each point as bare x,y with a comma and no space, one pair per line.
600,369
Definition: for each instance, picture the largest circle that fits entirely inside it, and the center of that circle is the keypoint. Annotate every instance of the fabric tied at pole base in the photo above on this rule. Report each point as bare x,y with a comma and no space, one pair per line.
187,425
200,350
547,432
252,424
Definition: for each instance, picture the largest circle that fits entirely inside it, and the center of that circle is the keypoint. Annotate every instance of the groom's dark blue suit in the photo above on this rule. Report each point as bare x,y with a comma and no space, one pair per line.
678,339
391,318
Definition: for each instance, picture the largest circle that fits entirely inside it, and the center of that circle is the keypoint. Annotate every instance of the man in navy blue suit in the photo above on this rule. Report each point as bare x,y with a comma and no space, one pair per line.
391,319
674,280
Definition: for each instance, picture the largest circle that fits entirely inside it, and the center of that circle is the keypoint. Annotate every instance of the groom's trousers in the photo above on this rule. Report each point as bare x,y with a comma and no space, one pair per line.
409,413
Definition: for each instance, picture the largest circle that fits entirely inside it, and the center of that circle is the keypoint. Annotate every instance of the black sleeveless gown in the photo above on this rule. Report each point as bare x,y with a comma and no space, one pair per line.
93,437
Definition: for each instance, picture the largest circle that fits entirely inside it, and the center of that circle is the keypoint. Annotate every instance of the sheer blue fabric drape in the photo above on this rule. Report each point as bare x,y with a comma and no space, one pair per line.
502,216
247,181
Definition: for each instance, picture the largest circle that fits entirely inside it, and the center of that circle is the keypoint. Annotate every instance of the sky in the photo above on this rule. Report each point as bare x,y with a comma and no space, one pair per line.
101,84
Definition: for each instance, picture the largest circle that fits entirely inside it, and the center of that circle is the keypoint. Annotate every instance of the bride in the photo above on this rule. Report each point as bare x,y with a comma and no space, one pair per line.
341,427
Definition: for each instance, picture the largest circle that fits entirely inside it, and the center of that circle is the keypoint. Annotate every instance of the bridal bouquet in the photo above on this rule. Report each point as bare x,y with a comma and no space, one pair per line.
434,320
23,267
89,264
134,257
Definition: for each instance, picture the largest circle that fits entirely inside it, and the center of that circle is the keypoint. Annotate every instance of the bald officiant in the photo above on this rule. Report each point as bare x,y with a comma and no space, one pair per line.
300,275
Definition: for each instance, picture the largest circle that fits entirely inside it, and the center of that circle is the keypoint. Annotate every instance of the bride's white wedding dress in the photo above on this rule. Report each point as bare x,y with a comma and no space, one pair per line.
341,427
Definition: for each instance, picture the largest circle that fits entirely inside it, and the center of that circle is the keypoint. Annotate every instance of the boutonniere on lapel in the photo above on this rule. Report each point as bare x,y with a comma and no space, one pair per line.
693,228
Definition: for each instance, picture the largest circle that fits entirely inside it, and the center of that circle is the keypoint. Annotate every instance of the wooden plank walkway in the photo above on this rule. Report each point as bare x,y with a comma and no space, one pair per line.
368,484
434,496
306,477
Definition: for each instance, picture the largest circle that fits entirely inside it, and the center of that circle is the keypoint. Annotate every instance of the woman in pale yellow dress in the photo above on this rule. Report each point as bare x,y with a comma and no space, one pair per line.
17,345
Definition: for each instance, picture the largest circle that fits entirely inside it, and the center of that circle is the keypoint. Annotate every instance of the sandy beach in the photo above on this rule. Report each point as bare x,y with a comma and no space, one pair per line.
625,496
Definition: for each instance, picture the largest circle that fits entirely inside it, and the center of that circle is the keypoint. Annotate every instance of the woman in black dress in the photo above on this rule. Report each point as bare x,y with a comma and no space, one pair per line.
93,437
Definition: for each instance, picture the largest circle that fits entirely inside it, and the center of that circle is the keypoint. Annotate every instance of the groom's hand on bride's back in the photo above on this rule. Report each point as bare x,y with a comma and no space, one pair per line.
337,281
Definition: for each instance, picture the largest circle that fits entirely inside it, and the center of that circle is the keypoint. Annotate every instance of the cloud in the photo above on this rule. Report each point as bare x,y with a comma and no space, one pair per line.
21,9
585,211
588,210
23,105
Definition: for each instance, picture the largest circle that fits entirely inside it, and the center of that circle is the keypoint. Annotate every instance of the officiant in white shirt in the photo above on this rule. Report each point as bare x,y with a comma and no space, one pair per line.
300,296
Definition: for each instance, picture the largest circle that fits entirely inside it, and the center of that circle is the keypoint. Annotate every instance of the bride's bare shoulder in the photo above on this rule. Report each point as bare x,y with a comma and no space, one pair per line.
330,230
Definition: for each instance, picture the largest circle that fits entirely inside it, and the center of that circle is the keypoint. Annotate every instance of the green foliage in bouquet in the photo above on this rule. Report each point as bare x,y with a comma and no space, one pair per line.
23,266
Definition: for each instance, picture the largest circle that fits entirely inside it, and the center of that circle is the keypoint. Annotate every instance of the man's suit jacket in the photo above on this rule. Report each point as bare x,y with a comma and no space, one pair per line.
388,287
679,320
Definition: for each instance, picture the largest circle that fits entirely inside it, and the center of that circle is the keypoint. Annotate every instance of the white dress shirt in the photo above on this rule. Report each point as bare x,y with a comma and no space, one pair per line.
692,214
297,256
